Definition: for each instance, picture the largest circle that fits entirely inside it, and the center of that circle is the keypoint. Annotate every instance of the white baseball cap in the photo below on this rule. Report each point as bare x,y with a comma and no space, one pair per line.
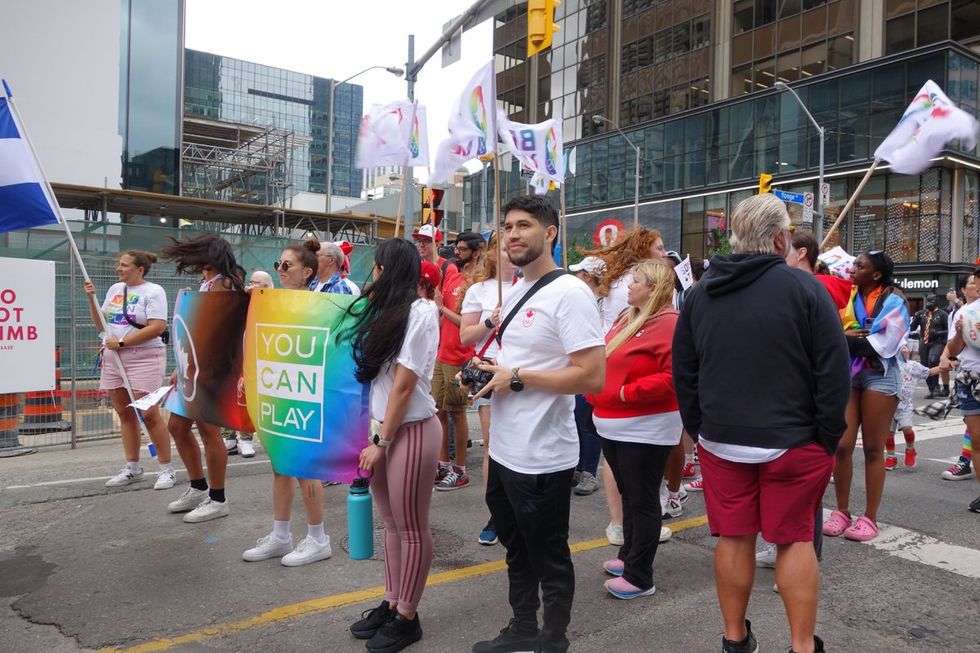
591,264
427,231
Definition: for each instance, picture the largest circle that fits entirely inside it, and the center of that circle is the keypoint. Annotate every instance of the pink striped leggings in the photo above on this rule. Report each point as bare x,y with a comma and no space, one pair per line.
402,489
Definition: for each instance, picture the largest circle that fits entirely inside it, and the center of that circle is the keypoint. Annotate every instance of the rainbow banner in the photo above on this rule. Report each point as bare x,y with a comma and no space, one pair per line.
207,341
309,411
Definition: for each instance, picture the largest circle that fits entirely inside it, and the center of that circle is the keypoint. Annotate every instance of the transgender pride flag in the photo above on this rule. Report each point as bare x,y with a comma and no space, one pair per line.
23,201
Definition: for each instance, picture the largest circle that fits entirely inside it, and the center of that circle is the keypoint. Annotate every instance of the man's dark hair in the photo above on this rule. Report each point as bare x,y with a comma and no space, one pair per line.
540,208
472,239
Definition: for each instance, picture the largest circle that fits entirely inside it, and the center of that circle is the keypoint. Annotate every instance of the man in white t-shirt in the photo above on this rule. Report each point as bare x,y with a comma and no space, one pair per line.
550,351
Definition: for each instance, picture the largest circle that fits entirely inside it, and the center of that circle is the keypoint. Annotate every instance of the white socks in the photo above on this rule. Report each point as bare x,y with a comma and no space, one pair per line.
133,468
316,532
281,530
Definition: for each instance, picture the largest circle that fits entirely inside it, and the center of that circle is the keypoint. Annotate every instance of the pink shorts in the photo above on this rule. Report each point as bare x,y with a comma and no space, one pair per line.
778,498
145,367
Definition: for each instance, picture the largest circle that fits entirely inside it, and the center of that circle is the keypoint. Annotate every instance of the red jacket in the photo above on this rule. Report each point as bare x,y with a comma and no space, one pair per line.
642,367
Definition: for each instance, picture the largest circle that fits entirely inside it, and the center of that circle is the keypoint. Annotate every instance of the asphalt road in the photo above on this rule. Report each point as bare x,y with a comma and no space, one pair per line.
83,567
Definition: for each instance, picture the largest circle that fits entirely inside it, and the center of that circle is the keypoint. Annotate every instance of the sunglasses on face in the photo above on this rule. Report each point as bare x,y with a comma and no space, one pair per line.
282,266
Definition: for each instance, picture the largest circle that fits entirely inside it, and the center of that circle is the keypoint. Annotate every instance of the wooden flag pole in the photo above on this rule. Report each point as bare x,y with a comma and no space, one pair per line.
564,231
850,203
496,223
401,201
53,203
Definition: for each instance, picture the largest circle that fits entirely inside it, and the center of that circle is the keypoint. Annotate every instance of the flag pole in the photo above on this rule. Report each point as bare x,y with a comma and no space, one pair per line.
850,203
53,202
564,230
496,225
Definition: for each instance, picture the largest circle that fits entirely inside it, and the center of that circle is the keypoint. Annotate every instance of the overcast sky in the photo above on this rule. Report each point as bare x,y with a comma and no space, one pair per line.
336,39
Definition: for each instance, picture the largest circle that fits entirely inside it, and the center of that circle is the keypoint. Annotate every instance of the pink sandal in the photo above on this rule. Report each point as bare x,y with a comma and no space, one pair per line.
837,524
863,530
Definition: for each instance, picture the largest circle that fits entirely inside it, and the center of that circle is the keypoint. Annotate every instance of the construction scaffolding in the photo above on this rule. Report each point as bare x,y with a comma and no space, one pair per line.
236,162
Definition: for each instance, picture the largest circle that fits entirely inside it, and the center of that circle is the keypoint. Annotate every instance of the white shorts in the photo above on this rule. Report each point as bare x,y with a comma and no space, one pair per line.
902,419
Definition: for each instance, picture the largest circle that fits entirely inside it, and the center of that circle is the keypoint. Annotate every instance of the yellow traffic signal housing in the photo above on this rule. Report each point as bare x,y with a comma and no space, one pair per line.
541,25
765,183
431,199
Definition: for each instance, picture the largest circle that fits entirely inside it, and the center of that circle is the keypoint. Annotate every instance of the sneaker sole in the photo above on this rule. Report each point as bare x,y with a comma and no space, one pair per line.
124,483
583,493
248,558
248,455
953,477
316,558
397,646
198,520
163,486
443,488
484,542
612,572
631,595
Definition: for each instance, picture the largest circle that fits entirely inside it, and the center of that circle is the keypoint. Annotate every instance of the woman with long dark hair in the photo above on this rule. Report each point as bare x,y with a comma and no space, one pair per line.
875,322
211,257
135,312
297,267
395,338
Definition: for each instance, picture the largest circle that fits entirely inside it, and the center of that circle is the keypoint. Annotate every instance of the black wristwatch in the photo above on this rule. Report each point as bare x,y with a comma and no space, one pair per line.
380,441
515,381
489,324
122,343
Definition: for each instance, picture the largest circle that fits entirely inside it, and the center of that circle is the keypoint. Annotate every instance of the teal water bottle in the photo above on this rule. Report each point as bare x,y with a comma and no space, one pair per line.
360,521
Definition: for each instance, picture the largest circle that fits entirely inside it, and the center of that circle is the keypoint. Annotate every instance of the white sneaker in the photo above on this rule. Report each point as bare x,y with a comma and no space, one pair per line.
231,446
267,547
207,511
124,477
309,550
673,507
165,479
683,493
767,557
665,534
246,449
189,500
615,535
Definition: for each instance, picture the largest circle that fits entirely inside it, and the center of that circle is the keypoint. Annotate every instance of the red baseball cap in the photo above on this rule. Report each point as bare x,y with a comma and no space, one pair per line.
428,231
431,274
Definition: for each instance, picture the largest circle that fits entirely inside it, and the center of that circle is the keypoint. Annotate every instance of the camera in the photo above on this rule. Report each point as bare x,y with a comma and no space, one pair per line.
474,378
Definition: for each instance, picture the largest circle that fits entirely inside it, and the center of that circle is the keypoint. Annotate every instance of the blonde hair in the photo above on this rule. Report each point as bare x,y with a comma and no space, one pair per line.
629,249
755,223
658,275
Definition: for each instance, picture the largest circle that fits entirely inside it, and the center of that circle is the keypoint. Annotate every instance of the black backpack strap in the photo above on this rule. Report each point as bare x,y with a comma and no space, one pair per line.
538,285
445,264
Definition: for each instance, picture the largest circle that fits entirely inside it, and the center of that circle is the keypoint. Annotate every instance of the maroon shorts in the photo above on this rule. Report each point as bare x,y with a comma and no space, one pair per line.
778,498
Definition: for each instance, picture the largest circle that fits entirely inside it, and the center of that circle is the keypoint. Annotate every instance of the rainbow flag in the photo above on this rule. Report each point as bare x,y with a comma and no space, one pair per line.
207,341
309,411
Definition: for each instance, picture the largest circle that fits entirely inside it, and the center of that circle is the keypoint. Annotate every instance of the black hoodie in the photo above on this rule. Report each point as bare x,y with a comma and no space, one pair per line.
759,357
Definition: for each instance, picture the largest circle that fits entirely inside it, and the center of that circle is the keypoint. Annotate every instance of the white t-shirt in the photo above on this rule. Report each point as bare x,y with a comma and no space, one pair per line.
482,298
147,301
739,453
662,428
969,358
418,354
354,290
616,301
533,431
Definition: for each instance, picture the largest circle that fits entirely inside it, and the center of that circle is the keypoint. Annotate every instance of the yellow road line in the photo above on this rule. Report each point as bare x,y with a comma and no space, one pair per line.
326,603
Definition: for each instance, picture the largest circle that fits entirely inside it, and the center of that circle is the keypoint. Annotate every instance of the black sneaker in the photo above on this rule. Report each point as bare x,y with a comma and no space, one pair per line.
396,633
817,646
975,506
510,640
747,645
371,621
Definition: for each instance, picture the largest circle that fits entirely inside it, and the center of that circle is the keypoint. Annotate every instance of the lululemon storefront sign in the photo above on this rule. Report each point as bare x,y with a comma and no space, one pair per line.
917,284
26,325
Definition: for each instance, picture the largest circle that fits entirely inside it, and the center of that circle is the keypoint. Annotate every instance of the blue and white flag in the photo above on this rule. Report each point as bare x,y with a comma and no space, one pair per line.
23,202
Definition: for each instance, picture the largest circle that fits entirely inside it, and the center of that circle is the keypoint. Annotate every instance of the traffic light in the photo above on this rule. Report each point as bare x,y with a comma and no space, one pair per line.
431,199
540,25
765,183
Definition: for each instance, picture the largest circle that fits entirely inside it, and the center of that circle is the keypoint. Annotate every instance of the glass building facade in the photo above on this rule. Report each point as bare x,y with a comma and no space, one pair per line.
151,47
696,167
235,91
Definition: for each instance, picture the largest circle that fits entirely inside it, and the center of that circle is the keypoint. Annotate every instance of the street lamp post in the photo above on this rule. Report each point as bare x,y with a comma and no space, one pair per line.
818,223
599,119
397,72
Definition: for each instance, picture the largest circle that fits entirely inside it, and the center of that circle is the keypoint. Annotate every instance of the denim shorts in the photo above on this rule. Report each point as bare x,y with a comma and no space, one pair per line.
968,403
887,383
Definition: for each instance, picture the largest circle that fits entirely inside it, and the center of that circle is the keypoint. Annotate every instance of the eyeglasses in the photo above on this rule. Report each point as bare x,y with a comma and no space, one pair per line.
282,266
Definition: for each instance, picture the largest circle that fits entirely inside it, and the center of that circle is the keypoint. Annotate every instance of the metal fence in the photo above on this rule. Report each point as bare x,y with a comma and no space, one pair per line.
77,410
